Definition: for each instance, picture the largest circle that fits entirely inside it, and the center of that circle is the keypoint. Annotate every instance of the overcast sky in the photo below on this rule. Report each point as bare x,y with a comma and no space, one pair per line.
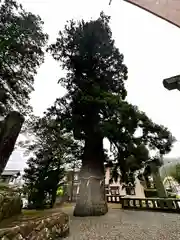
150,46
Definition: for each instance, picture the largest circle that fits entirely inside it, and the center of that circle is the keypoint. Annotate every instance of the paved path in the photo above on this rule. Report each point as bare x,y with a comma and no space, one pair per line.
125,225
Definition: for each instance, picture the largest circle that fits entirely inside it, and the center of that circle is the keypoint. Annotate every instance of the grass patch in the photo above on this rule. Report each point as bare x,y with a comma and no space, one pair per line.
33,212
114,205
67,204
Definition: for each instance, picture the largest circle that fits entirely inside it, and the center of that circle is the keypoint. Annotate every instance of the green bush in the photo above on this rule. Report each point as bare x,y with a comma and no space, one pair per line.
60,191
175,172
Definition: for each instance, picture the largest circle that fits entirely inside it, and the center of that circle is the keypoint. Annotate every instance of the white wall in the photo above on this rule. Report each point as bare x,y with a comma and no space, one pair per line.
138,189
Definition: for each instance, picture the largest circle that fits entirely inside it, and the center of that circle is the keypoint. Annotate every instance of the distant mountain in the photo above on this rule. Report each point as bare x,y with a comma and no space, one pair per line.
171,160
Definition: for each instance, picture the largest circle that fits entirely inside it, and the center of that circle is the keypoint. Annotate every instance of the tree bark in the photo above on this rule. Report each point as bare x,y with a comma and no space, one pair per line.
92,200
10,129
158,181
53,197
72,185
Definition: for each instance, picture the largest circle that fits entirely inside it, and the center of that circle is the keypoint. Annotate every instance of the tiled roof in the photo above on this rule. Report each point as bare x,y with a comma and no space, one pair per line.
10,172
166,9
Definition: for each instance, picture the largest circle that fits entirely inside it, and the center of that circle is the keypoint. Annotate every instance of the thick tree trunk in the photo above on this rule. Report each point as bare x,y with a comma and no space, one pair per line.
40,200
72,185
158,181
92,200
10,130
53,197
147,182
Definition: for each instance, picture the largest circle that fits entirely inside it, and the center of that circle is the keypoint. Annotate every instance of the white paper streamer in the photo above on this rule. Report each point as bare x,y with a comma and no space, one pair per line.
101,182
87,183
88,180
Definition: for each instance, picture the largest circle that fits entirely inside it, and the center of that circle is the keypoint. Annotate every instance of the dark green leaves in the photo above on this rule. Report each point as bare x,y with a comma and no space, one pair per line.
21,53
52,149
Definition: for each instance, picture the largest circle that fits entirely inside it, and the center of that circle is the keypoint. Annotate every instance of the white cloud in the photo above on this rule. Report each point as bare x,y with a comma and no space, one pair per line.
150,46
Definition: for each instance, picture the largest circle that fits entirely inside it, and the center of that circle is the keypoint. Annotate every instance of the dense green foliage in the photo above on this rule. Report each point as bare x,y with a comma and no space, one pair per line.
46,169
21,52
175,172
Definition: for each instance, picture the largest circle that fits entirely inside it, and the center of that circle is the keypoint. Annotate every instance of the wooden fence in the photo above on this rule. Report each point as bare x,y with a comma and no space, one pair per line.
113,198
158,204
165,204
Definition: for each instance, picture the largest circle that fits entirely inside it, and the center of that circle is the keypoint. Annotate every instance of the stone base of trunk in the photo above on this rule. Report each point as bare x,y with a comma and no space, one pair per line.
82,210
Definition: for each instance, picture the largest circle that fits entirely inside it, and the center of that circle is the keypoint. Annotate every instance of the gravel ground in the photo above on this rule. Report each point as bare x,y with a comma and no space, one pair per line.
125,225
